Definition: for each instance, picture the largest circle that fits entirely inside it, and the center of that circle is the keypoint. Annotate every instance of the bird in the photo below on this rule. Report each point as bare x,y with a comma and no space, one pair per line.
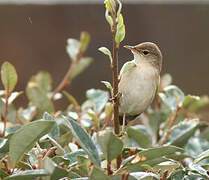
139,80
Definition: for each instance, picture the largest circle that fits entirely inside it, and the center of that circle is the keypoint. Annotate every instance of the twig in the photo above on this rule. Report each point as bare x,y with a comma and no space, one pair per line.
68,76
115,83
171,121
165,174
6,112
49,152
109,171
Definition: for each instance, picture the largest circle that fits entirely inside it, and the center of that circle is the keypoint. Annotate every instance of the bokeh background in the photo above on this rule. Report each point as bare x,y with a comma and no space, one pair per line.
33,38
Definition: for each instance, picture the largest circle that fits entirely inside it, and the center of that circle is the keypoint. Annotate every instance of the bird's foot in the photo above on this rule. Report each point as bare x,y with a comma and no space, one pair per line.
118,95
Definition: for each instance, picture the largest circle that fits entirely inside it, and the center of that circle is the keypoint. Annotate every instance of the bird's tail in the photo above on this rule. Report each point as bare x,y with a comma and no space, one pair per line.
128,119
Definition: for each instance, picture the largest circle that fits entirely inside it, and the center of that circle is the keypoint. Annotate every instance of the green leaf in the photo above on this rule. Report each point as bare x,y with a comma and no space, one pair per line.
165,80
119,8
8,76
140,166
144,176
84,41
55,133
202,156
99,97
178,174
28,175
12,97
98,173
71,99
193,176
81,66
43,81
139,136
152,157
155,120
82,168
156,152
173,97
3,174
196,146
204,101
72,156
107,52
55,171
84,140
199,169
120,33
65,139
108,143
24,139
108,18
127,66
39,98
190,99
72,48
108,5
26,115
181,133
108,85
4,148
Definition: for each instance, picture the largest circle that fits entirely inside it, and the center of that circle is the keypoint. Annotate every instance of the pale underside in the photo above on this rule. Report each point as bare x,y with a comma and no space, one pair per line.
137,88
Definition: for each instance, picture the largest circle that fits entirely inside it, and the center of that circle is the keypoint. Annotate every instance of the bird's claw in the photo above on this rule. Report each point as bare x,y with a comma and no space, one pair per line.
118,95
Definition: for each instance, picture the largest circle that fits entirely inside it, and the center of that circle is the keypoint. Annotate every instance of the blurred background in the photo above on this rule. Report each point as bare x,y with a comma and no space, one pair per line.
33,37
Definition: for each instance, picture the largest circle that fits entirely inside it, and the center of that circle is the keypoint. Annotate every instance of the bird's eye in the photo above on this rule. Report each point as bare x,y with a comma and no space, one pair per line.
145,52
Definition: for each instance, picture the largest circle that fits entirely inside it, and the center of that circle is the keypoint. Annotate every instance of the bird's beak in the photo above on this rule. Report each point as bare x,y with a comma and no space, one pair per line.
129,47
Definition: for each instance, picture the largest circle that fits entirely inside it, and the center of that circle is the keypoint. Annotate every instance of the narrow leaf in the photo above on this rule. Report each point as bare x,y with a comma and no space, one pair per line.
84,41
202,156
70,98
81,66
24,139
107,52
144,175
84,140
28,175
108,18
108,85
120,33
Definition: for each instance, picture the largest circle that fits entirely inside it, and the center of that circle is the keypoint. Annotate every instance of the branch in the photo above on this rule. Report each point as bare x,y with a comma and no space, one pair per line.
6,112
172,120
68,76
115,83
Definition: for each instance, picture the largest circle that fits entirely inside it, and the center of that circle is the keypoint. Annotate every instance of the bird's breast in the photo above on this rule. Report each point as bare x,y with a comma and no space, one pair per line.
137,88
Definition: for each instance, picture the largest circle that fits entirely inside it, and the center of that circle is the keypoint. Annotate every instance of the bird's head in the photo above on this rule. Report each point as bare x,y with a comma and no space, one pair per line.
147,52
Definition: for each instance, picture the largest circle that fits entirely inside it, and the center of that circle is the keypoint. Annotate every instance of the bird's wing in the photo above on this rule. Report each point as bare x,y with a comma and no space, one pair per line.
128,65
